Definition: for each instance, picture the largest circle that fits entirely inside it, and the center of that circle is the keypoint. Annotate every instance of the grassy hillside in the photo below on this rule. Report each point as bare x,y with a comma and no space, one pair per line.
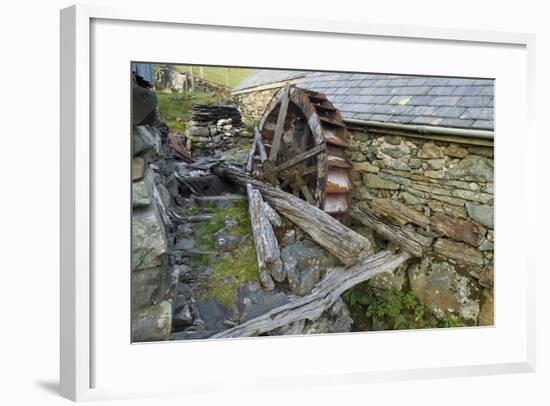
217,74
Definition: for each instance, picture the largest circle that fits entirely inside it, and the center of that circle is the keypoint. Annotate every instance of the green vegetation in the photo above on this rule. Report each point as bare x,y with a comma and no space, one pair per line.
451,321
236,267
374,309
217,74
175,108
239,211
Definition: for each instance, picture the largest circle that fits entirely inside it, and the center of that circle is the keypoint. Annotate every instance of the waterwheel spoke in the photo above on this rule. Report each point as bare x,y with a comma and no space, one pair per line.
280,125
299,158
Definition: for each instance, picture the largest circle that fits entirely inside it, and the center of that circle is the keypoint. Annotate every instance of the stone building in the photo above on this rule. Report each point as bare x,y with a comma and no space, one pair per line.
422,153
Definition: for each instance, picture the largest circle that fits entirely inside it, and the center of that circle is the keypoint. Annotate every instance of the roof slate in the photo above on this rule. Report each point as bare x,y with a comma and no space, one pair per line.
406,99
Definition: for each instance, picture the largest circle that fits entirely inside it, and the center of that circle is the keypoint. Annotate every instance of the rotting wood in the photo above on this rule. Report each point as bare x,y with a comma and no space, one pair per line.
408,240
251,154
399,211
455,228
260,145
272,215
280,125
268,254
324,295
344,243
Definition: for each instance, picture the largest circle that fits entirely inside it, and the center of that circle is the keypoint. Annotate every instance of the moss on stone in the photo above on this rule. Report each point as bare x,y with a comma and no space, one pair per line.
231,271
236,267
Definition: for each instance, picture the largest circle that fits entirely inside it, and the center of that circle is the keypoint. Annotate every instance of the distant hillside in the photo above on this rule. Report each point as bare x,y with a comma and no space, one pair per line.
217,74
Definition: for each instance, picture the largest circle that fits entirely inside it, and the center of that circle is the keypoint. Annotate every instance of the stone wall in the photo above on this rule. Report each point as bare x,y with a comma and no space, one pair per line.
151,307
444,191
252,105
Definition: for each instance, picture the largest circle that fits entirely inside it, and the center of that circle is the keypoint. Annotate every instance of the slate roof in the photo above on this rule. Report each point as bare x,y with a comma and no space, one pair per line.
422,100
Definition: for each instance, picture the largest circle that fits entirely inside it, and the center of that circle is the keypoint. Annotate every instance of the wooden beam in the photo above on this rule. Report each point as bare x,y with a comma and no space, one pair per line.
250,160
410,241
301,157
280,124
344,243
260,145
323,296
268,254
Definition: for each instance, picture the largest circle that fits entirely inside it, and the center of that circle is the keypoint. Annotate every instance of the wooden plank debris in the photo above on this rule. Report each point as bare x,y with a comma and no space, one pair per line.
324,295
410,241
344,243
268,254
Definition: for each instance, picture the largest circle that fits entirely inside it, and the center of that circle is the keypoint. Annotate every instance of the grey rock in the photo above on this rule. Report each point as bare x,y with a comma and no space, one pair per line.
436,164
305,262
445,291
253,301
183,317
214,314
225,241
486,245
184,244
145,283
481,213
152,323
430,151
145,139
336,319
473,167
199,131
148,238
376,182
389,280
138,168
142,191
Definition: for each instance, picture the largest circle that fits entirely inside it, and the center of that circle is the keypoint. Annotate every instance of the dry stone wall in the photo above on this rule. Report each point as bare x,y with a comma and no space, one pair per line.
444,191
252,105
151,307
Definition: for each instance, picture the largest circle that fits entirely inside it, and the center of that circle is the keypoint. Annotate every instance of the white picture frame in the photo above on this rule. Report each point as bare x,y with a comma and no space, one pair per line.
77,188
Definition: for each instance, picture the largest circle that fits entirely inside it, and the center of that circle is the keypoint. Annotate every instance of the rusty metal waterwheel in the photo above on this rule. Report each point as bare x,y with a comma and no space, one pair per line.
300,146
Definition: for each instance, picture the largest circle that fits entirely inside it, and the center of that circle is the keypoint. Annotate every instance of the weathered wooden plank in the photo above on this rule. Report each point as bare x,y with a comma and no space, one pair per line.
280,124
267,248
323,296
399,211
300,158
408,240
344,243
460,252
272,215
260,145
250,160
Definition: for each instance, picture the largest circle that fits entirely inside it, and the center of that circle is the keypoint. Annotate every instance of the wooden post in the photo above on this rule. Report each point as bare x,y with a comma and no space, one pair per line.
228,77
202,72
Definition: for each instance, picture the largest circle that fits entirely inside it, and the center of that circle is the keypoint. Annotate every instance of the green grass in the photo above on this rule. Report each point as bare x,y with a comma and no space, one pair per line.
217,74
175,108
239,265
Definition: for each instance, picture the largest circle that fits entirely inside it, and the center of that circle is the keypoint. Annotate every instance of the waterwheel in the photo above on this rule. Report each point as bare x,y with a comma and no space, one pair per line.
299,146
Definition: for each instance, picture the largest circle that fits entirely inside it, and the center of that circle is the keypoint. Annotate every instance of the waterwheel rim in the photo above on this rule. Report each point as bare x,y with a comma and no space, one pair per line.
310,120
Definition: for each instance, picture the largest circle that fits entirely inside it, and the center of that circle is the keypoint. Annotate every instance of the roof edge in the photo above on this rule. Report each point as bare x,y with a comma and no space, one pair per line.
424,129
268,86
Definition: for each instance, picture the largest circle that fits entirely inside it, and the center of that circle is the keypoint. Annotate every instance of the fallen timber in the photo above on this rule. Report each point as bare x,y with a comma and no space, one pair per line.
408,240
267,249
324,295
345,244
